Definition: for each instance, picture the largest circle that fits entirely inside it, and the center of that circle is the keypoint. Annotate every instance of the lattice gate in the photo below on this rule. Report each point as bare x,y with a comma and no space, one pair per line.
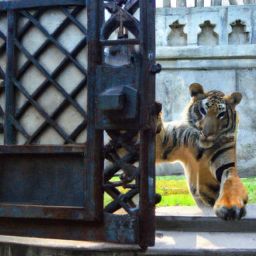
77,153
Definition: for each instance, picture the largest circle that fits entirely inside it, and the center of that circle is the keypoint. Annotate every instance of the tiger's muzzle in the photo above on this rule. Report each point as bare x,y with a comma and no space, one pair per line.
206,141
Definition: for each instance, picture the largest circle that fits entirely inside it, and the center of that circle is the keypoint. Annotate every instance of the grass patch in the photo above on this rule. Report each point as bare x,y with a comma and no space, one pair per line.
177,200
250,184
174,191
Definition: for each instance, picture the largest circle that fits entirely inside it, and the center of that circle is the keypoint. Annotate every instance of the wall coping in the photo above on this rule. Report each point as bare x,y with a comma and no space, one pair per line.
206,52
165,11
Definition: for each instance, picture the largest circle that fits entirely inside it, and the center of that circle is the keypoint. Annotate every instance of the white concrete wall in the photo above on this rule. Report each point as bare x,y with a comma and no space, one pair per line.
220,53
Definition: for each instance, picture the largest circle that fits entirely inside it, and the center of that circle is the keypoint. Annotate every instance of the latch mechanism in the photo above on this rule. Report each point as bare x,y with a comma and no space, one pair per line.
119,103
117,98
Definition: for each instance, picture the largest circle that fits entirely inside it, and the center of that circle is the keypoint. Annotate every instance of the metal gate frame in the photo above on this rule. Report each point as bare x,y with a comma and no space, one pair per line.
91,221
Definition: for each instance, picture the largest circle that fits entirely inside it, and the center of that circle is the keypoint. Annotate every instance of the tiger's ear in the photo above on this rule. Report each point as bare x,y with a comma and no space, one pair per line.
235,98
196,90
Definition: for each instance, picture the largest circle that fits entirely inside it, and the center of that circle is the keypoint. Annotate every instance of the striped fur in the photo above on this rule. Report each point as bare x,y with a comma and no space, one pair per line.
204,142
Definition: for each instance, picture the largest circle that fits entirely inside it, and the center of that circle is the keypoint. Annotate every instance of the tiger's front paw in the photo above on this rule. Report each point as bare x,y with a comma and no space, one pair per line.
230,213
232,201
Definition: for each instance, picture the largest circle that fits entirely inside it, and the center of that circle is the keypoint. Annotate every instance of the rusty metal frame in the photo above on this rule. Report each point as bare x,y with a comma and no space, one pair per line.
138,180
11,152
89,220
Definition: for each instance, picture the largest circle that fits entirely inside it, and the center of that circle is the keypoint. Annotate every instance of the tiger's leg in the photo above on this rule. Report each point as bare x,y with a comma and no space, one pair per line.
208,186
192,173
230,204
233,197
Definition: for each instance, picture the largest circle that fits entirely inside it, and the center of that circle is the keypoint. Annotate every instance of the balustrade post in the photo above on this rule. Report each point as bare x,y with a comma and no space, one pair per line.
181,3
166,3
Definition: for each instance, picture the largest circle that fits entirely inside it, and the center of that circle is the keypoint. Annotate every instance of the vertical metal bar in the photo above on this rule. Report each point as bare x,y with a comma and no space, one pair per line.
9,131
147,152
94,170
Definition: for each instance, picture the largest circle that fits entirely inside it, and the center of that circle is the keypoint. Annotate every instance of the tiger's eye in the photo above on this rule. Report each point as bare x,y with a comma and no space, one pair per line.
202,110
221,115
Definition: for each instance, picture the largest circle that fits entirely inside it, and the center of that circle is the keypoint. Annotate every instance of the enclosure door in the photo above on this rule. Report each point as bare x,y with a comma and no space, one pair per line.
77,156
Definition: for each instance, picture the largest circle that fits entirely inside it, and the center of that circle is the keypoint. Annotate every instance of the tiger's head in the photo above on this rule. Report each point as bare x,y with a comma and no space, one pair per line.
212,114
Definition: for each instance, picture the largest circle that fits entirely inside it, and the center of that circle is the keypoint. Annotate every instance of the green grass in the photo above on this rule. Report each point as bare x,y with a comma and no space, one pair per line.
250,184
174,191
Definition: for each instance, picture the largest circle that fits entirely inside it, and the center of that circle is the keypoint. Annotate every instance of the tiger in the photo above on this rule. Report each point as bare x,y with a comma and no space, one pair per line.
204,142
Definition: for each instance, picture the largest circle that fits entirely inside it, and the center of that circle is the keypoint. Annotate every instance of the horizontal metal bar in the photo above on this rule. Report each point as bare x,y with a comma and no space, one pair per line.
112,228
120,42
21,4
42,212
42,149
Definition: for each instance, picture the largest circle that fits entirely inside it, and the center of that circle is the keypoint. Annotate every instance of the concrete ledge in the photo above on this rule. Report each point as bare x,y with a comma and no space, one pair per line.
189,219
167,242
207,57
194,211
66,244
213,64
183,11
206,52
203,243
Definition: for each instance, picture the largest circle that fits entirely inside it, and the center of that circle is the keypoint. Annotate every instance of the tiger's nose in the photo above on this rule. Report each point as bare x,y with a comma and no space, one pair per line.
206,134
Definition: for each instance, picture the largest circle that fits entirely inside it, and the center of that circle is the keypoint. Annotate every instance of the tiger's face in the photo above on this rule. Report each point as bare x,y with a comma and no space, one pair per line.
213,114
